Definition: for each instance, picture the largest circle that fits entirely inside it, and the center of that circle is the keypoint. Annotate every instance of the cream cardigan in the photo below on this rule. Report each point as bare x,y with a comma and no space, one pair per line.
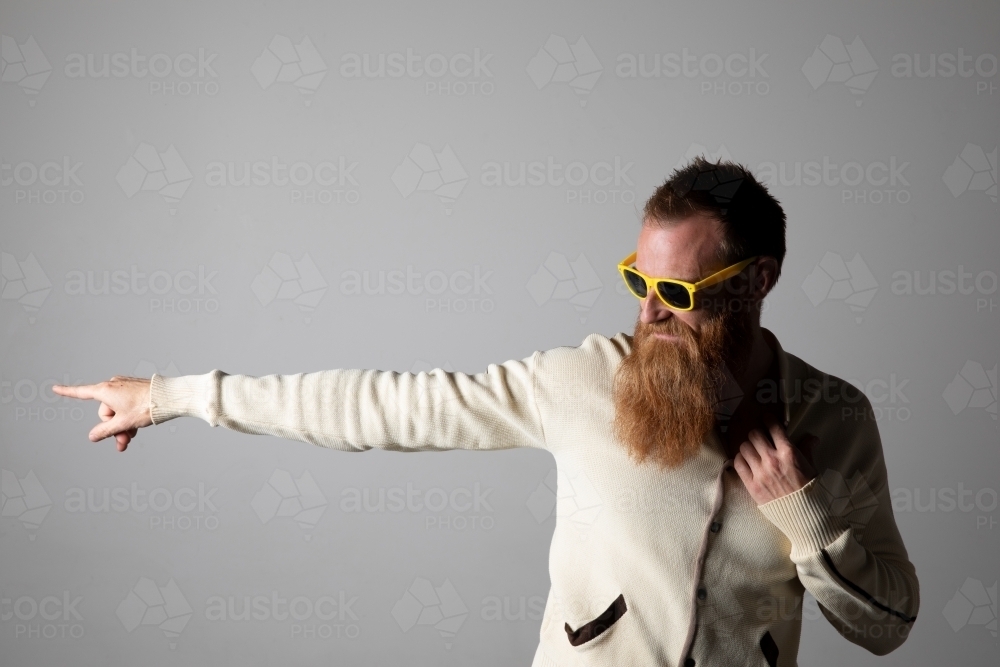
647,566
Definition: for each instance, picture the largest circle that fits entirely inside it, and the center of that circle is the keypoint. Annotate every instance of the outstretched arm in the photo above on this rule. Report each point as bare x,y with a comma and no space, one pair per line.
351,410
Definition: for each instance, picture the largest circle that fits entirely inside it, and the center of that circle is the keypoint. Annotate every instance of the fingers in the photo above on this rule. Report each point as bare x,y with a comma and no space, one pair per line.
777,432
111,427
760,444
125,437
749,454
742,467
76,391
123,408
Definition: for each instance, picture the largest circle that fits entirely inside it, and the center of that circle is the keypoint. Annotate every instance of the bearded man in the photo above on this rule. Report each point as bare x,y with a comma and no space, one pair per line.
726,474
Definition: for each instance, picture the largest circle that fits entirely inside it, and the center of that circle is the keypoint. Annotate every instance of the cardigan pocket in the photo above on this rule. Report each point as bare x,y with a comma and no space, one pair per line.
769,648
591,630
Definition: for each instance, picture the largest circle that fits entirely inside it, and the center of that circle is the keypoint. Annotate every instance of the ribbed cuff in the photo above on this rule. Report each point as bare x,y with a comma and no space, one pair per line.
805,517
184,396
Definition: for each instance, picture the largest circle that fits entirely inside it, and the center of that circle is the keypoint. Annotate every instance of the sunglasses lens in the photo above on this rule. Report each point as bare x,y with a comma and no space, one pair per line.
674,294
635,283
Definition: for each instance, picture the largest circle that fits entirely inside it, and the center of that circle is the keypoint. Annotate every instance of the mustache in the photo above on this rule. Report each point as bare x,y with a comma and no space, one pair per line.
670,327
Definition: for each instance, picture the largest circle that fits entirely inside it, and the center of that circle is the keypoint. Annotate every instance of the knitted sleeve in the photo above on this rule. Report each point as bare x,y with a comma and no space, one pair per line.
845,544
355,410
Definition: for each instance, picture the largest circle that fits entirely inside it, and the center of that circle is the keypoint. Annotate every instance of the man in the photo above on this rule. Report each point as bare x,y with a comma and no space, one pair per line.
728,478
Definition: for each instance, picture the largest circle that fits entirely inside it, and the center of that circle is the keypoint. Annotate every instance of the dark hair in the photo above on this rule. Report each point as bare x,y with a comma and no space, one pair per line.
752,220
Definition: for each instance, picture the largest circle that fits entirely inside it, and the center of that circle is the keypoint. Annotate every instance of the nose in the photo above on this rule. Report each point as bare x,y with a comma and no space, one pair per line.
651,309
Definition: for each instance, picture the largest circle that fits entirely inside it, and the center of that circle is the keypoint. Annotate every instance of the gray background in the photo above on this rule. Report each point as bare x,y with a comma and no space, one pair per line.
142,582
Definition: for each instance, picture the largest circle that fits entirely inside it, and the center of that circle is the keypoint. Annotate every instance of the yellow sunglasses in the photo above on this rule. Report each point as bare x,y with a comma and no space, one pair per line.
676,294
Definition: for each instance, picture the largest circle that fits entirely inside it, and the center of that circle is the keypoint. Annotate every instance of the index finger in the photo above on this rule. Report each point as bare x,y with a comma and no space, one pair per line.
76,391
777,431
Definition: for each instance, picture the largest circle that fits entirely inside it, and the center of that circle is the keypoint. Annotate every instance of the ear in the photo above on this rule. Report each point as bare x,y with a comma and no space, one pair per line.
764,274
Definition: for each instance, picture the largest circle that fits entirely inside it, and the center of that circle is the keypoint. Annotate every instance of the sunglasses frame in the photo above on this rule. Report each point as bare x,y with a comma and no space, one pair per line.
651,283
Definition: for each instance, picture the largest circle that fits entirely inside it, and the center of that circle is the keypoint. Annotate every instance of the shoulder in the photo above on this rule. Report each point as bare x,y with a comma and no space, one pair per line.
827,406
819,388
597,356
595,348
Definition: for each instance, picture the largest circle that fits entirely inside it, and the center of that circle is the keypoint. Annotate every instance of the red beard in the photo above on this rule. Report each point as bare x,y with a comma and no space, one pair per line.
666,391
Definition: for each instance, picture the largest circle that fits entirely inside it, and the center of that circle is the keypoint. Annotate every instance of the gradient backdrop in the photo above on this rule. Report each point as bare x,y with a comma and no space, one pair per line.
286,187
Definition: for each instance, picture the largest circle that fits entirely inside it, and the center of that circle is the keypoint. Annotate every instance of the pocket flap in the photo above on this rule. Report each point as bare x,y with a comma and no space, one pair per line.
593,628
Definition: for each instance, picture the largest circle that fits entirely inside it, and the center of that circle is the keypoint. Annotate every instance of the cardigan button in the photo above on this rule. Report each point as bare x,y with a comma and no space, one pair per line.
702,594
689,662
715,526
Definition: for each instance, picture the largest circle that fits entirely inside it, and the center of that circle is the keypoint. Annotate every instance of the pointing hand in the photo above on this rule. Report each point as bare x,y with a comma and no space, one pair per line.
124,406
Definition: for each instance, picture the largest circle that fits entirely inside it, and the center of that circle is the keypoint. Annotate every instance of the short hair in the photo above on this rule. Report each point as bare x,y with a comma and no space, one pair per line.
753,221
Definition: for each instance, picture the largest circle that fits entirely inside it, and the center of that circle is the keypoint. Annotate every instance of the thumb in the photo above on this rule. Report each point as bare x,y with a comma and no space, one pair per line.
113,426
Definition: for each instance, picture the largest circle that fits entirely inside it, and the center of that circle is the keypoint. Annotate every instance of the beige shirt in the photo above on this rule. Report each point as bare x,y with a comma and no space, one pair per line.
647,566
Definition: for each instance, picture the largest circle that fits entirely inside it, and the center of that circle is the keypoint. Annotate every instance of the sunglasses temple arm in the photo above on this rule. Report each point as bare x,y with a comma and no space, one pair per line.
723,275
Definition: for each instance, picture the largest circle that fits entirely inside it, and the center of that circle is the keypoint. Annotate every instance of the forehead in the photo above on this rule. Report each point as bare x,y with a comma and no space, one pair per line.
686,249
